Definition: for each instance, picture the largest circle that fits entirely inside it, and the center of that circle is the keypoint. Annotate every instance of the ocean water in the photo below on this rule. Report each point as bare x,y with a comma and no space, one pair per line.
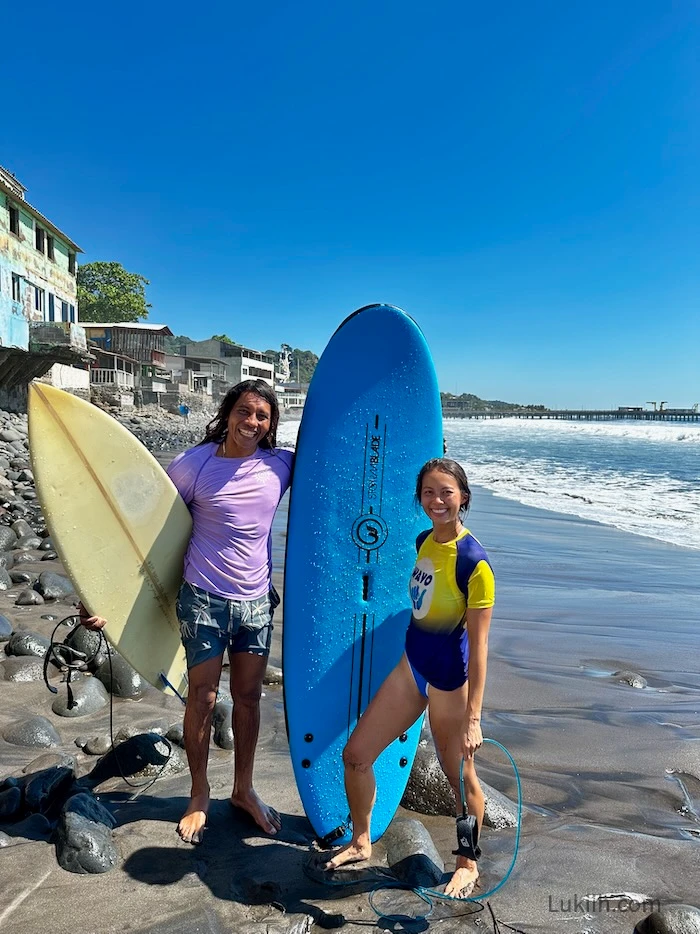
640,477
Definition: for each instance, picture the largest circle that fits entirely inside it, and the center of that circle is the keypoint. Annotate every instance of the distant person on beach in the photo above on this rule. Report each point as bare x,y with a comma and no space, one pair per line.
232,482
184,410
452,592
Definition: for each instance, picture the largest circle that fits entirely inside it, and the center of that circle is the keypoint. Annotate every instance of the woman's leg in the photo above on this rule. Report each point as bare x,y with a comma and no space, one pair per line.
395,707
446,710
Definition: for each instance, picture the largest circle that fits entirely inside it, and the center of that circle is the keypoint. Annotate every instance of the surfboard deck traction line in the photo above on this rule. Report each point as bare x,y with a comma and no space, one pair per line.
160,595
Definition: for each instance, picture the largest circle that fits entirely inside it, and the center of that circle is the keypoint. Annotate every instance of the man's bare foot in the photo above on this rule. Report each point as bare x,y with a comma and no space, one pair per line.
193,821
464,880
352,852
264,816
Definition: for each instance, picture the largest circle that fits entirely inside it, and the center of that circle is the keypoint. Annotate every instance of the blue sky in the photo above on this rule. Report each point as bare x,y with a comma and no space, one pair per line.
522,178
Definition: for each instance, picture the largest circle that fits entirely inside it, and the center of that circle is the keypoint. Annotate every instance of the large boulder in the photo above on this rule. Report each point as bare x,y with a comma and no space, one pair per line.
671,919
85,696
119,678
411,854
84,841
34,731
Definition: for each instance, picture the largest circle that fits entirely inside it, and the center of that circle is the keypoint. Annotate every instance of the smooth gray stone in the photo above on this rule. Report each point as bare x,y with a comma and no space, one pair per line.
671,919
21,527
35,731
273,675
144,756
5,840
6,628
46,544
28,542
26,474
5,579
8,538
49,760
632,678
49,556
89,696
90,643
24,642
121,679
222,724
429,792
7,558
24,557
29,598
47,789
9,434
23,577
84,841
176,735
22,670
10,804
53,586
29,494
411,854
32,828
97,745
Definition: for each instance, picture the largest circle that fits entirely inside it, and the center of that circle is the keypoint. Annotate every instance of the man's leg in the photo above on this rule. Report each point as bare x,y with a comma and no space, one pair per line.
201,698
247,671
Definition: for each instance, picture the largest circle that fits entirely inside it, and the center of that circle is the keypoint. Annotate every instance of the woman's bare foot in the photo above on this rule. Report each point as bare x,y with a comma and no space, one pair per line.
464,880
353,852
193,821
264,816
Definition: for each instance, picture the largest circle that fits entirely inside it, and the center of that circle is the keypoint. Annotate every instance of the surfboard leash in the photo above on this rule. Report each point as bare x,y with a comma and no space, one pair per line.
465,832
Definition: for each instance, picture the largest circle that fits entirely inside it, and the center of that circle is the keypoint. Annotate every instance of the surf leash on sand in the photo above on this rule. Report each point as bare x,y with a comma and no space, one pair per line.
467,844
70,661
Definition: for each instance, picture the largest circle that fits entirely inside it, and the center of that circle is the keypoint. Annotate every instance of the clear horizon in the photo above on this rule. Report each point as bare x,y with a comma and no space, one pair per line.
522,181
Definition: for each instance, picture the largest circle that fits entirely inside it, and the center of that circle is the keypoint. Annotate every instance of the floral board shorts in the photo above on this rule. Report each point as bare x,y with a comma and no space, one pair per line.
210,624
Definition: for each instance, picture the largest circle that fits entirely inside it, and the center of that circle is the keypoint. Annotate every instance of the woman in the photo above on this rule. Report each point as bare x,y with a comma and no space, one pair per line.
232,483
444,666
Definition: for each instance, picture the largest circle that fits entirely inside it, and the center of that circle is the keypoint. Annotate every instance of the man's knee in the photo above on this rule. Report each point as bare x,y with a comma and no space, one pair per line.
247,695
202,696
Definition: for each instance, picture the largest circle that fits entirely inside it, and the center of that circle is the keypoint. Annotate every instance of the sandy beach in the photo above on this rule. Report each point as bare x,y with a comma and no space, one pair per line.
610,771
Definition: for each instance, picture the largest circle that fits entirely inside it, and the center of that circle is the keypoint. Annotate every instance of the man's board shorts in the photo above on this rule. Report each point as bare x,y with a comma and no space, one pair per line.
210,624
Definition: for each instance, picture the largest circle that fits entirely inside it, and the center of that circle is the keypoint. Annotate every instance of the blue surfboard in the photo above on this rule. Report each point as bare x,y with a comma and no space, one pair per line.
371,420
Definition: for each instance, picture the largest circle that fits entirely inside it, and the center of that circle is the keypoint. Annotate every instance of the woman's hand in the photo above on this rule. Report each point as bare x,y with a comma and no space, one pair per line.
90,622
472,738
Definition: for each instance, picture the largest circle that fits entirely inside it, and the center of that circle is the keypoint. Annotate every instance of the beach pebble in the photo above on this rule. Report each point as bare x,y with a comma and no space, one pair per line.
28,542
90,643
176,735
671,919
89,696
411,854
49,760
53,586
632,678
120,678
5,579
8,538
29,598
84,842
273,675
35,731
6,628
21,670
9,434
10,804
23,577
222,723
96,745
21,527
24,557
7,560
24,642
47,789
49,556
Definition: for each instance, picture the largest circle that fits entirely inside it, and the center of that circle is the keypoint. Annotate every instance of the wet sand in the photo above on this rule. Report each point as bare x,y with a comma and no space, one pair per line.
611,773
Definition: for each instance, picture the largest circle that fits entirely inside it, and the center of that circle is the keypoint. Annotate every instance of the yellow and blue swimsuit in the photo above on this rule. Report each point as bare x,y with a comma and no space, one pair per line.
448,578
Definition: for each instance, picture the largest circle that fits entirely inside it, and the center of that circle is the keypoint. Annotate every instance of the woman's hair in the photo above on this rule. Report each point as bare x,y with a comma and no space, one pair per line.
218,426
455,470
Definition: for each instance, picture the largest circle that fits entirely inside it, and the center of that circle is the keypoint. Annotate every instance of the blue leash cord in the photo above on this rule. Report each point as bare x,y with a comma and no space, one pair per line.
426,894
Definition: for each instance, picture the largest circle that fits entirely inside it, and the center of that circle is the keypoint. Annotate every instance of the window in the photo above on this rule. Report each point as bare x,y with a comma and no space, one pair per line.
71,263
39,297
49,247
64,311
16,288
51,307
72,313
14,220
39,238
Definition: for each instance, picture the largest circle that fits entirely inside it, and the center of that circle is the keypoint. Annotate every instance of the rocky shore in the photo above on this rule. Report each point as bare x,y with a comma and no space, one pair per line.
93,779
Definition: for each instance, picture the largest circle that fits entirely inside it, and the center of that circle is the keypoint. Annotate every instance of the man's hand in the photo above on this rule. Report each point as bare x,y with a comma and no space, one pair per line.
90,622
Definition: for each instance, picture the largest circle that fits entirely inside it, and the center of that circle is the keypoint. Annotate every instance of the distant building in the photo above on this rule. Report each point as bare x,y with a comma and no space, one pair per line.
129,358
38,304
241,362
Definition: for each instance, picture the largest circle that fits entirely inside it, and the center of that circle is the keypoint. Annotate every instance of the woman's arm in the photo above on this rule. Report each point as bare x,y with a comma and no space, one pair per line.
478,623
